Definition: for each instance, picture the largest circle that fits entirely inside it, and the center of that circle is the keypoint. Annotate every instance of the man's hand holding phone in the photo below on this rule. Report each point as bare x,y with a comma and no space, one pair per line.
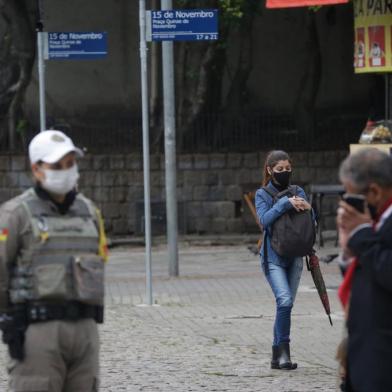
353,212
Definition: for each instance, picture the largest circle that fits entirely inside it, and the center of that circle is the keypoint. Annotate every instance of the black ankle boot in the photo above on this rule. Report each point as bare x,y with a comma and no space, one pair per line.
284,360
275,356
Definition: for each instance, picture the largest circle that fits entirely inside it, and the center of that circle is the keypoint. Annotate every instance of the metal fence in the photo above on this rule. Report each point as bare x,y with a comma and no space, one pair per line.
215,133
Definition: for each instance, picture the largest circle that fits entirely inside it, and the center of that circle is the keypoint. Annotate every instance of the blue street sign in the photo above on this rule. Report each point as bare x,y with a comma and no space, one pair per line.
75,45
182,25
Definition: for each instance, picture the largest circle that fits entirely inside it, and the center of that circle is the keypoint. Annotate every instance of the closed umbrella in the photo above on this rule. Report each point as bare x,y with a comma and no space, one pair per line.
313,265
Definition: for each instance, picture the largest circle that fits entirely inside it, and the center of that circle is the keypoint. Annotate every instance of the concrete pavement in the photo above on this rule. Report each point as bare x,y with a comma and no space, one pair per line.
211,328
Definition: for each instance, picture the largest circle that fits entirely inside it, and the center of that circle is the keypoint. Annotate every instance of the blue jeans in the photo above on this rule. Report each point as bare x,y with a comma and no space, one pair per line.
284,282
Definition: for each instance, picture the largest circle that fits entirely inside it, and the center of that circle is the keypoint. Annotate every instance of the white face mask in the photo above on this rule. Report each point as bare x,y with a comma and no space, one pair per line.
60,182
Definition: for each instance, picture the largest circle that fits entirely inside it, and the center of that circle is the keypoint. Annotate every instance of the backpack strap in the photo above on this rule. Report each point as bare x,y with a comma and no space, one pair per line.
291,190
270,192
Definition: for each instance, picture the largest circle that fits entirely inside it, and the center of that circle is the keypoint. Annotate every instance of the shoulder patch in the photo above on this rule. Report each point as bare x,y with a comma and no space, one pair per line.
4,235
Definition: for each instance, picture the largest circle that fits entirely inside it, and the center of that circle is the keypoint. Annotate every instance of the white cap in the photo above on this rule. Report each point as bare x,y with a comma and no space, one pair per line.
50,146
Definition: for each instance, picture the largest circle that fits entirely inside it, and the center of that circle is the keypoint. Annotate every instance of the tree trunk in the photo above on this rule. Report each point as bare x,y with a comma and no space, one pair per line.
236,98
16,64
310,82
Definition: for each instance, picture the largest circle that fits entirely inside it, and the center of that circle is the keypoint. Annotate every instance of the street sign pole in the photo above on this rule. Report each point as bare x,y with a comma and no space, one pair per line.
41,70
170,150
146,148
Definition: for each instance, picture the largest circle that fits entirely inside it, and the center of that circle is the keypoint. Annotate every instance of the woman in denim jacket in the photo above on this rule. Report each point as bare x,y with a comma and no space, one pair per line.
282,273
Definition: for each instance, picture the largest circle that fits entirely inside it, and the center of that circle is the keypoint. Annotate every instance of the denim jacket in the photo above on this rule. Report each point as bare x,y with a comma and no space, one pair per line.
267,213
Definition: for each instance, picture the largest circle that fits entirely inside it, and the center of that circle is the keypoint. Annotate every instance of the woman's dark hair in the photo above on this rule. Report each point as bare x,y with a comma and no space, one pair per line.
272,159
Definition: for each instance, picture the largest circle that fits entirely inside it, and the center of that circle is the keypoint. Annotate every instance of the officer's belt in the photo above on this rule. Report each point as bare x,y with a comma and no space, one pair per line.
71,311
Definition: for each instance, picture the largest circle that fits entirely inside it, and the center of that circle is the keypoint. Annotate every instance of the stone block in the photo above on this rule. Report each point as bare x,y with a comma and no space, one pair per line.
200,192
88,192
111,210
162,161
118,194
234,161
134,162
5,164
19,163
88,178
135,178
244,176
180,178
234,225
208,210
233,192
185,162
209,178
135,193
185,193
194,209
157,178
117,162
120,178
250,161
193,177
5,194
225,209
85,163
101,195
218,225
155,162
217,193
14,192
7,180
108,225
226,177
12,179
120,226
107,178
217,161
257,176
199,226
157,193
200,161
100,162
131,226
25,180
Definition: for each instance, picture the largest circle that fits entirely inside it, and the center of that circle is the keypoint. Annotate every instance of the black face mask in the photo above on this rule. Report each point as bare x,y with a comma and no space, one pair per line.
282,178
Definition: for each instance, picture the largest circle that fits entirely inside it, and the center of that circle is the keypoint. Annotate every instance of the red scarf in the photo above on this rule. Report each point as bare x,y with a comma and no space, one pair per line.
345,288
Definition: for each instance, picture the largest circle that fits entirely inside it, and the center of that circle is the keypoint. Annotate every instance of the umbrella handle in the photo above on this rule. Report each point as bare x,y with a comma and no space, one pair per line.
307,263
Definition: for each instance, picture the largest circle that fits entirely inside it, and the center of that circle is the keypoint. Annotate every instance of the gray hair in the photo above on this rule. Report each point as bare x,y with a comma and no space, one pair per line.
367,166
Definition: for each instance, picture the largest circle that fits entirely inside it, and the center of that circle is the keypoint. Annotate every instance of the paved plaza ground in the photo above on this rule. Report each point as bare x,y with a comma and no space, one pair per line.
211,328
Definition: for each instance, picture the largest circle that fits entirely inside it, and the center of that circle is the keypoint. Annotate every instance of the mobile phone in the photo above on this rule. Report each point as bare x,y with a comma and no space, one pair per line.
357,201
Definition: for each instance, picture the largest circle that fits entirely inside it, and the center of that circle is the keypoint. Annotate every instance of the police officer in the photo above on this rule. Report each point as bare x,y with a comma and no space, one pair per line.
52,253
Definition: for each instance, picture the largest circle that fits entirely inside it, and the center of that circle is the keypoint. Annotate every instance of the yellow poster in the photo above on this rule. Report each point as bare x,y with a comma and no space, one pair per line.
373,36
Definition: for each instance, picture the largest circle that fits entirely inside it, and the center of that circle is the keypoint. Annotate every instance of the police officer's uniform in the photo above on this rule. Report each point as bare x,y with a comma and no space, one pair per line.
51,269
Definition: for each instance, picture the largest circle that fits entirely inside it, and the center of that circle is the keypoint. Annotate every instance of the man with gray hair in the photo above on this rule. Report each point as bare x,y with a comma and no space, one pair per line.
366,292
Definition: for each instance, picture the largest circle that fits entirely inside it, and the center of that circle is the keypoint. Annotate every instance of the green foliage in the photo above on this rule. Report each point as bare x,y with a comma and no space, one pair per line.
21,126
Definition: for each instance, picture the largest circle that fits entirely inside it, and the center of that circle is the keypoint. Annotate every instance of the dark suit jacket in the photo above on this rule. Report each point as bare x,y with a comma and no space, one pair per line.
370,315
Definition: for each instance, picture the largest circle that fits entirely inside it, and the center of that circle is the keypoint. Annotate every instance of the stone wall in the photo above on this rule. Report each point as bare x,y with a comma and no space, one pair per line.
210,187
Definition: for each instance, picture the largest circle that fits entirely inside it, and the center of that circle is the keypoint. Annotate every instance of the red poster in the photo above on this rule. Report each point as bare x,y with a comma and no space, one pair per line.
301,3
376,46
360,49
